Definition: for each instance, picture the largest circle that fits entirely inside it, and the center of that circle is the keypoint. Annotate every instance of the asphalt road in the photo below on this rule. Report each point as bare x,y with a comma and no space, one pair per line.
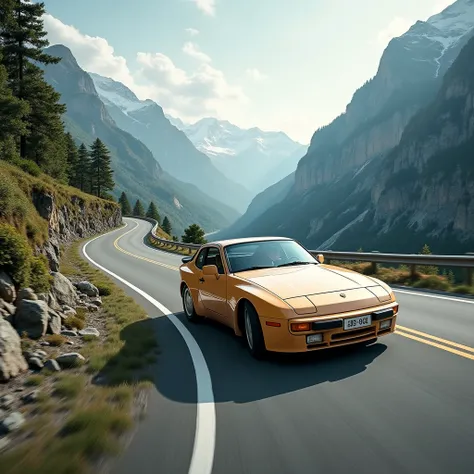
403,405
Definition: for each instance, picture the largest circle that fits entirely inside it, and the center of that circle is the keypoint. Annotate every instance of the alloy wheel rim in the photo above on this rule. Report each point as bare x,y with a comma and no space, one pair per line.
248,329
188,302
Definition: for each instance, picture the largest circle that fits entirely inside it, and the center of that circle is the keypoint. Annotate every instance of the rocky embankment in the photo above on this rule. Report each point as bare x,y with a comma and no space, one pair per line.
72,220
41,332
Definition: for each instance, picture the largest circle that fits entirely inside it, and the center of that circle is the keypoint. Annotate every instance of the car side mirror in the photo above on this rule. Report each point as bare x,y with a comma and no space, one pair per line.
186,259
210,270
320,258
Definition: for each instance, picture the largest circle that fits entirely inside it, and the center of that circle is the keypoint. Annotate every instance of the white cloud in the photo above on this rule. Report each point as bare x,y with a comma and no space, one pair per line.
193,50
189,95
395,28
192,31
206,6
93,53
255,74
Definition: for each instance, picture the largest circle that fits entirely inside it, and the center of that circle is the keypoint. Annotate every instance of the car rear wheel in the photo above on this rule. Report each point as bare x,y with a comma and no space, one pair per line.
253,332
188,305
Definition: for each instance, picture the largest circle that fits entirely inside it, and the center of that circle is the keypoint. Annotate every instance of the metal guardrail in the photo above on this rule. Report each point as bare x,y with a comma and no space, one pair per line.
412,260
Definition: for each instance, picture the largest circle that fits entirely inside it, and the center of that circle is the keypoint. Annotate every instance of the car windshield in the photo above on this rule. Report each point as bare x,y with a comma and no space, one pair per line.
267,254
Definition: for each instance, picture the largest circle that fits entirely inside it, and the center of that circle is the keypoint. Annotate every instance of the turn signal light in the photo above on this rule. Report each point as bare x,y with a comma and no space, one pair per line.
273,324
299,327
395,309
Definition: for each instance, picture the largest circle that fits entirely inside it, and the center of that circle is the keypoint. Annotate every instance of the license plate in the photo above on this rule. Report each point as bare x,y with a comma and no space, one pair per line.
356,323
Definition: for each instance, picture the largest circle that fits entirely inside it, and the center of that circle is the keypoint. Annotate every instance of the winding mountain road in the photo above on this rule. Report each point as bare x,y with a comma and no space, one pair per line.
403,405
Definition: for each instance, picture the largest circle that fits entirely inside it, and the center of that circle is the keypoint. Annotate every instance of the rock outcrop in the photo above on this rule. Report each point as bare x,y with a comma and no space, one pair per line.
12,362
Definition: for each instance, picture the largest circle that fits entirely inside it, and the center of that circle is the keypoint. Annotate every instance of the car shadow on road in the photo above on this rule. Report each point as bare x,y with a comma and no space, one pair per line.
236,376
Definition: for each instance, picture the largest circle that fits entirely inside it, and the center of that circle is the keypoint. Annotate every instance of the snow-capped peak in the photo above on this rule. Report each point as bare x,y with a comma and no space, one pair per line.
115,93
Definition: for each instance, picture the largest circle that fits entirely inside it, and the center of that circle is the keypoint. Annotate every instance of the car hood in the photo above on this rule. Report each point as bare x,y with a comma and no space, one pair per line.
311,282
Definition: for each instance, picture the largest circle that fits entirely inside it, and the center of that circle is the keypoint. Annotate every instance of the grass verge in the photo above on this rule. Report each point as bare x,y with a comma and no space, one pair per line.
83,412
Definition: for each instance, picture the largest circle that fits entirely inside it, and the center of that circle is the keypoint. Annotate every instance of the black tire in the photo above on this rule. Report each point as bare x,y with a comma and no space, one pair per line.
188,305
254,339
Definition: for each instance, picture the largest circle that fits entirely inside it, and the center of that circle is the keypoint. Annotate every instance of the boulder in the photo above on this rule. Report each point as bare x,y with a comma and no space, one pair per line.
70,359
63,290
12,361
26,294
7,288
69,333
35,363
89,332
52,365
97,301
88,288
54,322
12,422
50,300
6,401
32,317
68,311
7,307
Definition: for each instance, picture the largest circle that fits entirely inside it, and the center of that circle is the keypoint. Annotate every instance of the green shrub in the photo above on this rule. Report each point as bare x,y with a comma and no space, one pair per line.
27,166
433,282
464,290
104,290
15,255
73,322
40,278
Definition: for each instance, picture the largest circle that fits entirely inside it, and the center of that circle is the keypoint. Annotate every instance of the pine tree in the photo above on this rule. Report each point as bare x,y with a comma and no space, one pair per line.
194,234
12,111
167,225
83,170
72,160
22,36
125,205
138,209
152,212
102,173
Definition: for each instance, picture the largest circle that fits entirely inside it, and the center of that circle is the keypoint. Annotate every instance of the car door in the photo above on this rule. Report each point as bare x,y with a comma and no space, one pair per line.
212,290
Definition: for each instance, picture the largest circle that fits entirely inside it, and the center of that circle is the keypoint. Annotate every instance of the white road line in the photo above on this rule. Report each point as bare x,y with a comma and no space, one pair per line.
439,297
205,434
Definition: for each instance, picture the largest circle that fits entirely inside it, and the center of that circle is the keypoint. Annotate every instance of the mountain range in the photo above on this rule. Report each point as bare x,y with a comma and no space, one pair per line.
145,120
136,169
253,158
395,169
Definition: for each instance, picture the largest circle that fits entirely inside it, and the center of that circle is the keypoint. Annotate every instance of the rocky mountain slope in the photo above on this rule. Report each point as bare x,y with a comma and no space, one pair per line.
136,171
146,121
254,158
333,194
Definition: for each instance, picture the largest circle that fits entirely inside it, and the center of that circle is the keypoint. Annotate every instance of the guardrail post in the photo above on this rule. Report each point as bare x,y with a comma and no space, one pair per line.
373,268
412,272
469,272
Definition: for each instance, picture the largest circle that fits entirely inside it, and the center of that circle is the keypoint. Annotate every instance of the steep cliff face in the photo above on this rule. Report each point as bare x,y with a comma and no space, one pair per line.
428,179
363,175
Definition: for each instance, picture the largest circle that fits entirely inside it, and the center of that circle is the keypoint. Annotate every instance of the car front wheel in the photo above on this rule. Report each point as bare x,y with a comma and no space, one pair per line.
188,305
253,332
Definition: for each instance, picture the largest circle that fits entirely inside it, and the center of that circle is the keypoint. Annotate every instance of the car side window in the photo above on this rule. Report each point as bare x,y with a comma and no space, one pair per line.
213,257
200,259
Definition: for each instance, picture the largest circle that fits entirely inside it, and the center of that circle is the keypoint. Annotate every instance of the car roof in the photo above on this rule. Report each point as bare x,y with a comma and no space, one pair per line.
244,240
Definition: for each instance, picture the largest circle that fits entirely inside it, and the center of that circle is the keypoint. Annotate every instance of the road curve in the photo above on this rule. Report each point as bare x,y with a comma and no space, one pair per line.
403,405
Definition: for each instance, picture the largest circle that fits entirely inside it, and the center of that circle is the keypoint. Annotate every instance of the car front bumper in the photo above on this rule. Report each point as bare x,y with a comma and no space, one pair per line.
280,338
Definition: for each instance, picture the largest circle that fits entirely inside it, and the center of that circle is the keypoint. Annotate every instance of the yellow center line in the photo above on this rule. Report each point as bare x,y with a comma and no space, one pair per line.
149,260
435,338
435,344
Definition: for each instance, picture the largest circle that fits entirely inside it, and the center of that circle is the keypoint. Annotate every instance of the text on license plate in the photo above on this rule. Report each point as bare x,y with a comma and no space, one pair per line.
359,322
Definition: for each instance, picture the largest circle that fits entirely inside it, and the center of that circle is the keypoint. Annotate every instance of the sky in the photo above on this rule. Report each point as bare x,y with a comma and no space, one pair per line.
289,65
